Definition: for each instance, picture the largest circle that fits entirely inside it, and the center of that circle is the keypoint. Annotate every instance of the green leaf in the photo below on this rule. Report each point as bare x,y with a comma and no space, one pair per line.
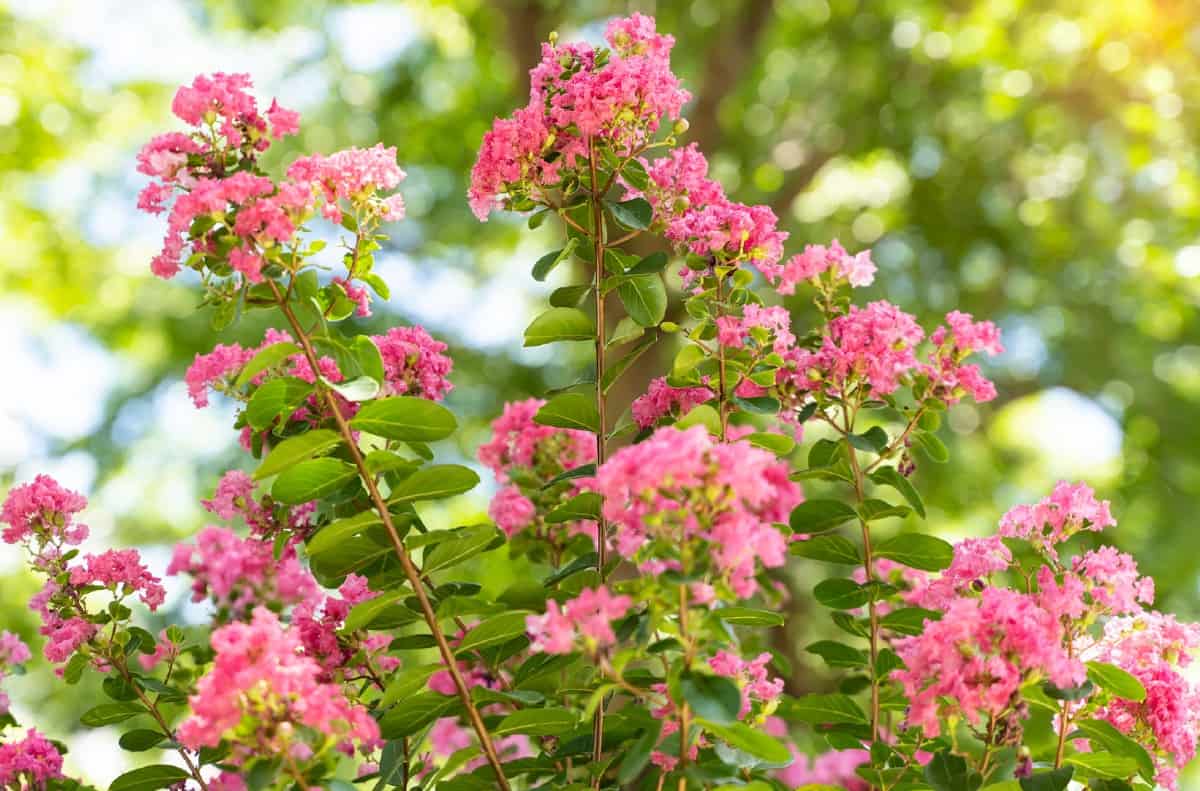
626,330
560,324
908,620
381,612
312,480
830,548
362,388
1105,734
838,654
686,360
110,713
1116,680
889,476
585,505
651,264
494,631
645,298
406,418
1102,764
778,444
614,371
1053,780
435,483
549,261
827,710
408,682
873,510
841,594
569,296
334,535
294,450
949,772
638,755
758,405
582,471
749,616
819,516
467,542
536,722
140,739
635,214
274,398
570,410
148,778
701,415
416,712
874,440
933,447
267,357
714,698
750,740
1069,693
917,551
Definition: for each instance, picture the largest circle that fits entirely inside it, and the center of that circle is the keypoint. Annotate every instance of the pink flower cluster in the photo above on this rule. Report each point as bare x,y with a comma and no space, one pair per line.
122,572
696,216
661,400
353,175
751,676
768,327
975,560
578,95
31,763
682,487
1069,509
521,449
65,631
234,498
13,652
217,192
44,510
414,364
263,695
1155,648
589,615
872,346
950,378
239,574
857,270
319,624
973,661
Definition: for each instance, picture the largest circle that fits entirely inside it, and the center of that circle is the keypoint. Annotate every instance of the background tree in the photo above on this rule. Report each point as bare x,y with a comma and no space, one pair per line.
1028,161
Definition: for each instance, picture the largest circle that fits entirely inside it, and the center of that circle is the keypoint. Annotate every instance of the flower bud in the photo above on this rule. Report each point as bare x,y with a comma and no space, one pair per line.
680,126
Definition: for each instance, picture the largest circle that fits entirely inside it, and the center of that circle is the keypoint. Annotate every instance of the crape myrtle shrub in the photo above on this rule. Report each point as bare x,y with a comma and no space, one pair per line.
349,647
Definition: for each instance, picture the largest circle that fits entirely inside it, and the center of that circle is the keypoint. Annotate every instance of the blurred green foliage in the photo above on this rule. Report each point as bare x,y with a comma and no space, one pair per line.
1029,161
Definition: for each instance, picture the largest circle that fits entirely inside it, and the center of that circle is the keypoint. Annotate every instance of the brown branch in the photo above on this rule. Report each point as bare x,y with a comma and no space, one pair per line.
406,563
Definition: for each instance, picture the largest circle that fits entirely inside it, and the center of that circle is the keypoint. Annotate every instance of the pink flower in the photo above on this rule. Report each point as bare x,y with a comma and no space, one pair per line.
43,507
1069,509
283,121
683,486
259,677
662,400
414,363
518,442
857,270
576,97
973,661
511,510
592,612
214,370
241,574
120,570
551,633
30,763
751,677
975,560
